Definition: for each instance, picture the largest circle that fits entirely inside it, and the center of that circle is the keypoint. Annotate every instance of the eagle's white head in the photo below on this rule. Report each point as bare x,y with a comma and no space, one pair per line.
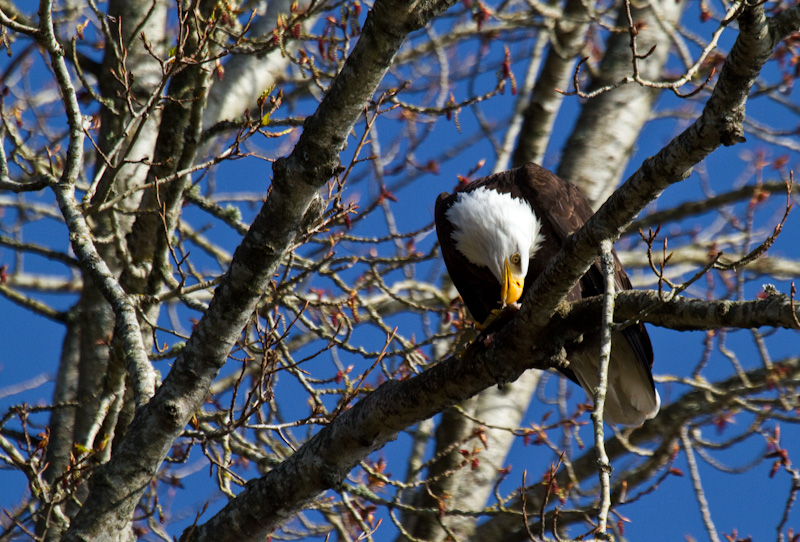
497,231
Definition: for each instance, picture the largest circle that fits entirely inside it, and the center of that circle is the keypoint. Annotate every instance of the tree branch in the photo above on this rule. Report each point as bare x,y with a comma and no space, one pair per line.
607,320
569,38
692,208
80,234
684,314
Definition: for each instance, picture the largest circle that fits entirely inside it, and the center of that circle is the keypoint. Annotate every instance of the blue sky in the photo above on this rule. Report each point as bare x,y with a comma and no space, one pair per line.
750,502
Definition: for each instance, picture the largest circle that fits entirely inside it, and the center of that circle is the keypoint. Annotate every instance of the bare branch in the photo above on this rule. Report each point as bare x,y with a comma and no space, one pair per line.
603,465
80,234
689,314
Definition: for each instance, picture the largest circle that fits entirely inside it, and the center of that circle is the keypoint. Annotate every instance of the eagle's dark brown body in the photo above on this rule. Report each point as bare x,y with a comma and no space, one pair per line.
562,209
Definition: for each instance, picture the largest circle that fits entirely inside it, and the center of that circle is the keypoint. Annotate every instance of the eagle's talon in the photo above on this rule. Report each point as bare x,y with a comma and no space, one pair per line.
489,321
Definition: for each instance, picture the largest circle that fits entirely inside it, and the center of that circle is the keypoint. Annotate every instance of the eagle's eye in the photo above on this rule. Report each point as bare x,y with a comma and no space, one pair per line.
515,259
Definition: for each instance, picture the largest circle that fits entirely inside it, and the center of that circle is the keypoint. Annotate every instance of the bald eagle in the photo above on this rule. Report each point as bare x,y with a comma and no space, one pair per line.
498,234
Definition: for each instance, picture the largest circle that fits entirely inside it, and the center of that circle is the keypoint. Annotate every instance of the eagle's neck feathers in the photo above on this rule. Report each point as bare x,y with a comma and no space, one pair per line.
490,226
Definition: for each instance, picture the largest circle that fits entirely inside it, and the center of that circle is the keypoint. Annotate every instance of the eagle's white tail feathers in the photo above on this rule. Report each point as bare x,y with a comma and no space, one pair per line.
631,399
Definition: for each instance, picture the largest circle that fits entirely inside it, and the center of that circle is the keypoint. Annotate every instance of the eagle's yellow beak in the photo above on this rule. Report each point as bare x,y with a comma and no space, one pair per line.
512,285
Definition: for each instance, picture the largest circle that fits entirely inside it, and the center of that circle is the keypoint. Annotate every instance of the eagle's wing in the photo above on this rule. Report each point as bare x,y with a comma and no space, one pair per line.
631,397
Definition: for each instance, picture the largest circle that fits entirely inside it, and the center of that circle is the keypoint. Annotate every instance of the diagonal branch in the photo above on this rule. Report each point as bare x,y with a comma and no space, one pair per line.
693,208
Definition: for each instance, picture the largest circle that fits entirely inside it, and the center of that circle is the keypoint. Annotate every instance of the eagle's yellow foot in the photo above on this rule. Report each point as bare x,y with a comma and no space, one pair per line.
490,320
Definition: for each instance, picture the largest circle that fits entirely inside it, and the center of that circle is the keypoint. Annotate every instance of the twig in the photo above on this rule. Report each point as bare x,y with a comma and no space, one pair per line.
550,483
789,501
352,394
523,495
768,242
698,485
